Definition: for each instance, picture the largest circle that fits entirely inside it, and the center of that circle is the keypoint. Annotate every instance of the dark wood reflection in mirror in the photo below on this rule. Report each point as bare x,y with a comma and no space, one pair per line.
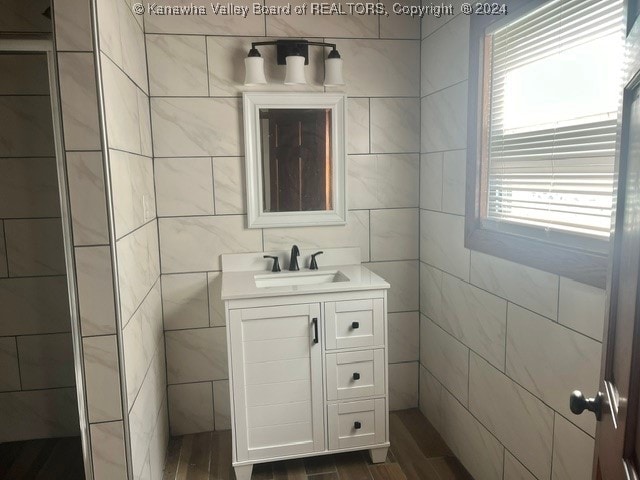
296,155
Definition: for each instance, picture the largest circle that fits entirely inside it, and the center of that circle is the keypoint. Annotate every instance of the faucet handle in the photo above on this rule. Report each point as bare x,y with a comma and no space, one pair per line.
314,264
276,262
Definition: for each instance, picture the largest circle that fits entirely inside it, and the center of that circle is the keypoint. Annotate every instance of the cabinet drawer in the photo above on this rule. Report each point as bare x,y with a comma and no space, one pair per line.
354,323
355,374
356,424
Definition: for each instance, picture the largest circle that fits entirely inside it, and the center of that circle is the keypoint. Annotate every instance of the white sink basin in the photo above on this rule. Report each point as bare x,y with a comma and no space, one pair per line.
287,279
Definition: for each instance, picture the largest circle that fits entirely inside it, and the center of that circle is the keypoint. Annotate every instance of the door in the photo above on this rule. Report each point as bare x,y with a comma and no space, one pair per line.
617,404
277,381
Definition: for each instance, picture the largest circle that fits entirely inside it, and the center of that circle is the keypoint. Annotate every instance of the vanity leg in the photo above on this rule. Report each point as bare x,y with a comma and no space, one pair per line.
243,472
378,455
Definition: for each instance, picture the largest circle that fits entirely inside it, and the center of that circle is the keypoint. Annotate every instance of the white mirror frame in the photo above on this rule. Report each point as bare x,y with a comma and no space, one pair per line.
256,216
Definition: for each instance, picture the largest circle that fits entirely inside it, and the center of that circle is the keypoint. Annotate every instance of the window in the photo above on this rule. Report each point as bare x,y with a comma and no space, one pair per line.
544,152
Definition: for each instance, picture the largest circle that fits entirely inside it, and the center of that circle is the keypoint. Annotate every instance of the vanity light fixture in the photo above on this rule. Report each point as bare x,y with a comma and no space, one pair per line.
295,55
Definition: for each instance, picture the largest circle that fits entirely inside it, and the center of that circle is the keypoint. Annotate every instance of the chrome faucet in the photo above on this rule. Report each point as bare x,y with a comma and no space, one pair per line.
293,261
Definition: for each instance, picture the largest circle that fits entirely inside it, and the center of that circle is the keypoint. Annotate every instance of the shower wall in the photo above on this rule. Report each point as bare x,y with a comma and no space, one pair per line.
37,383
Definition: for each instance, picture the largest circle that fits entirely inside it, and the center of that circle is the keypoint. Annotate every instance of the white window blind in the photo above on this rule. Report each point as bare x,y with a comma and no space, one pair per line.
554,89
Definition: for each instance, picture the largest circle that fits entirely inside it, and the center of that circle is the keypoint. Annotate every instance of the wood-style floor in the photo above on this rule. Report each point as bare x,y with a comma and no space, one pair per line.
45,459
417,453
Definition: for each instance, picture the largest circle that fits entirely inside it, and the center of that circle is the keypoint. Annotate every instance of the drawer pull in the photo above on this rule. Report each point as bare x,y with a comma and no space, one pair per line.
356,376
355,325
315,330
357,425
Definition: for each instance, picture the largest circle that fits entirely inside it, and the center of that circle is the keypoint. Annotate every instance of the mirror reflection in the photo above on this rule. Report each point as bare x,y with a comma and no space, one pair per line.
296,159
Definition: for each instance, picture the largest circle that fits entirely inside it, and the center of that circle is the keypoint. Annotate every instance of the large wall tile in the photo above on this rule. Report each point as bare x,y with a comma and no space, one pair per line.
138,267
403,385
551,361
184,186
229,185
445,56
403,277
521,422
582,308
217,312
108,451
142,339
177,65
380,68
431,292
196,127
185,302
395,125
354,234
191,408
46,361
525,286
196,355
316,24
102,376
399,26
34,305
39,414
358,125
475,317
95,290
477,449
26,119
133,191
29,188
210,24
442,243
73,25
221,405
35,247
572,452
514,470
85,175
123,117
79,101
431,181
432,22
403,337
394,234
29,74
454,173
9,369
446,358
194,244
444,119
143,415
383,181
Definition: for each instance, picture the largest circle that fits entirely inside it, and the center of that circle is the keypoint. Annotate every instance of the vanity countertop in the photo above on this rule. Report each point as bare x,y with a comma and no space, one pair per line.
239,285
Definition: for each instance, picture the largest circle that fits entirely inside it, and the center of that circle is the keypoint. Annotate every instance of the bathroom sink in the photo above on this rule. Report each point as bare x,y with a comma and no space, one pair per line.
286,279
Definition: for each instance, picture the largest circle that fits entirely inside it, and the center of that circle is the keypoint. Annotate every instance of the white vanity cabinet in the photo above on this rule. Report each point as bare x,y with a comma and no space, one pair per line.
307,369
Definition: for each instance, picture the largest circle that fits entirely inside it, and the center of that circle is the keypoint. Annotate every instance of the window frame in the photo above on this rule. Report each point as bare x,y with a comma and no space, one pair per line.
569,255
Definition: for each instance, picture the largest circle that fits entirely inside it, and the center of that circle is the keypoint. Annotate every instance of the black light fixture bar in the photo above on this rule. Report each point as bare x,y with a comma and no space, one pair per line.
299,47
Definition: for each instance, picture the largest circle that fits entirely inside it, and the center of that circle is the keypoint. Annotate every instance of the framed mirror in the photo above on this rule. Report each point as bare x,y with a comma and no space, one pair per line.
295,155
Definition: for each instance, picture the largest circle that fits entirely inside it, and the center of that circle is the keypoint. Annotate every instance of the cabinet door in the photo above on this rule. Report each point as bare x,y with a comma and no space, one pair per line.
277,381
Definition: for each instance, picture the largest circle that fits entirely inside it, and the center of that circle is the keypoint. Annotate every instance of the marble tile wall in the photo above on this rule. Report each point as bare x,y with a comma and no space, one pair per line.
122,60
502,345
196,73
37,383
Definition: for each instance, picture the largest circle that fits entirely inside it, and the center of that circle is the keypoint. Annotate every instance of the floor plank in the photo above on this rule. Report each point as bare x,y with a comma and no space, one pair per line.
417,453
387,471
42,459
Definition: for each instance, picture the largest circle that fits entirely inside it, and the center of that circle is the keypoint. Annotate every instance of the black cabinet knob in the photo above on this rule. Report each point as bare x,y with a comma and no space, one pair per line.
578,403
356,376
355,325
357,425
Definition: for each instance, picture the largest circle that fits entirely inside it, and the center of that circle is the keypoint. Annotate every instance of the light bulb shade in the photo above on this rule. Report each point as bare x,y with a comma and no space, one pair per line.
254,71
333,72
295,71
